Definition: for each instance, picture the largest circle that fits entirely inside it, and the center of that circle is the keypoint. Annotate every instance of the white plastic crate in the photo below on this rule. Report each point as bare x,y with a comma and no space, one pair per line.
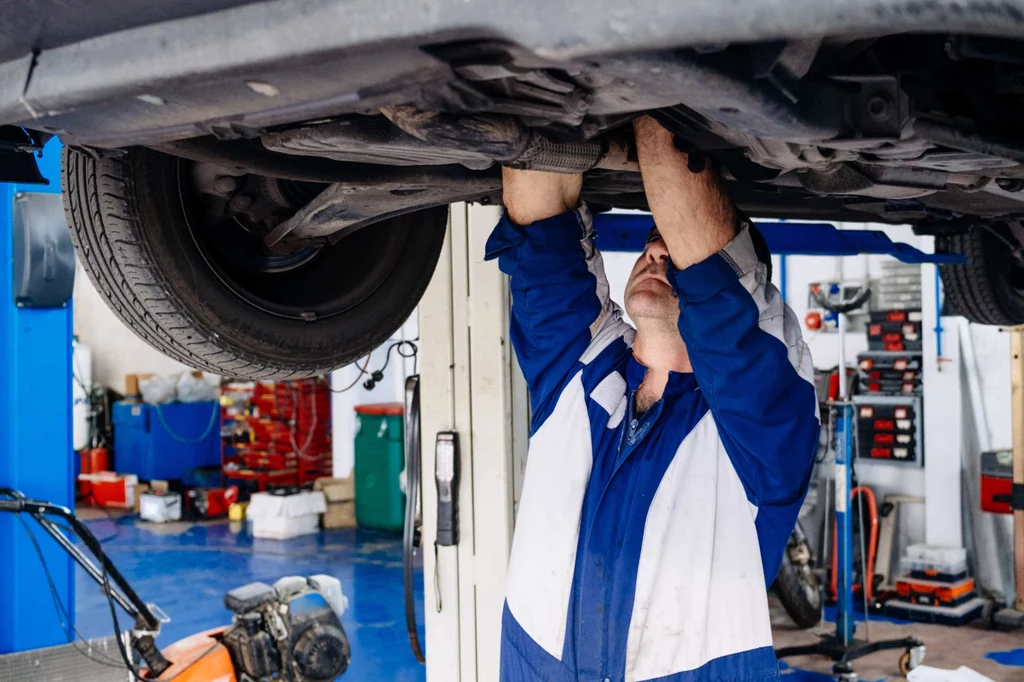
932,569
936,553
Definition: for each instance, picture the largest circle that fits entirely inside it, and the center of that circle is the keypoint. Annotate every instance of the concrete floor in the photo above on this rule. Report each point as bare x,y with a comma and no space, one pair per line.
187,568
998,655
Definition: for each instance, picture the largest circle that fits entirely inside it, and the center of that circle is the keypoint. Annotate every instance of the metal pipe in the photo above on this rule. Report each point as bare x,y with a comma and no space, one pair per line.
252,157
938,319
782,278
506,140
842,356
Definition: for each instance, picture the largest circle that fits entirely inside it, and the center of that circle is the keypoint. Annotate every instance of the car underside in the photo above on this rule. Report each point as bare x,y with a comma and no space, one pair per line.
291,130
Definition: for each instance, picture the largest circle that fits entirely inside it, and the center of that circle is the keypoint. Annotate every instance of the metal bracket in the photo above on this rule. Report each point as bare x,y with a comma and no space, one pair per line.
1015,499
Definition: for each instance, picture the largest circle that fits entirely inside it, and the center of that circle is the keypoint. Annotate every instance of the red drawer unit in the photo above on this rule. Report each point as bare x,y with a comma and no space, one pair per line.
888,428
889,373
895,330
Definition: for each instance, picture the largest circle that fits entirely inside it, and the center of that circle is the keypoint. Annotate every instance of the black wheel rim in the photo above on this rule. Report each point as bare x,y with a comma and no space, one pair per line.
311,283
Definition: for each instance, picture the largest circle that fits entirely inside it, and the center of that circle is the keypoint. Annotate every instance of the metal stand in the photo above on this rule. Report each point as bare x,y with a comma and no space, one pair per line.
1010,618
842,647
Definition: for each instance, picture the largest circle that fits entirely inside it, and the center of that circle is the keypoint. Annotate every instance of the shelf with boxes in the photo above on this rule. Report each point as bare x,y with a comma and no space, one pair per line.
281,435
889,403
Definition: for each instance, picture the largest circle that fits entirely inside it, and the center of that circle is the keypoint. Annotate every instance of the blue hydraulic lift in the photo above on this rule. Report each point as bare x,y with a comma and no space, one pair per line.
35,401
628,232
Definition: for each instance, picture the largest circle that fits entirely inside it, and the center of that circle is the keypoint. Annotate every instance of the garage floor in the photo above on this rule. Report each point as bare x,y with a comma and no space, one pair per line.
998,655
187,568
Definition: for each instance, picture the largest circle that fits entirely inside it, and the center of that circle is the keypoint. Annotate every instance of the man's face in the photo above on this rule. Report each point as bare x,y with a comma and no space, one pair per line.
648,293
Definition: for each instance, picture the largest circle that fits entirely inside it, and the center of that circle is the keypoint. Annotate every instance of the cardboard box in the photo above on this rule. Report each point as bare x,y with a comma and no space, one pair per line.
285,516
140,490
336,489
131,383
340,515
160,486
110,489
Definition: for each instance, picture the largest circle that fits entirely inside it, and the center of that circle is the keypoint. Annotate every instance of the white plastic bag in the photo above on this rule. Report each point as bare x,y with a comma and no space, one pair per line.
156,390
192,389
924,673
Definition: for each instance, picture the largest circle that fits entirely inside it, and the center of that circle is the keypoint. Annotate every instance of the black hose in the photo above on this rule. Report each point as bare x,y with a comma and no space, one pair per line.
412,482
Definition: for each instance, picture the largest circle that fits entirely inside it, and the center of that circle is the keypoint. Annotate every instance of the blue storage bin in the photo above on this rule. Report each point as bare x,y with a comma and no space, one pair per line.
165,441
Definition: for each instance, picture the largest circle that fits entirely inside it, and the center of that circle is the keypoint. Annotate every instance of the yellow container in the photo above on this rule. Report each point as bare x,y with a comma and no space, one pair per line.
236,512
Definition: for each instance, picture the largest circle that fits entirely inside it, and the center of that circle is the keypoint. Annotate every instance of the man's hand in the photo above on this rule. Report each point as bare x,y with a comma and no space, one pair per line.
530,196
693,213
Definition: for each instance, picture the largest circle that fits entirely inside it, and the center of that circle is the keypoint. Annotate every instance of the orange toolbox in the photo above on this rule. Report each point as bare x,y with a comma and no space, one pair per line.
935,592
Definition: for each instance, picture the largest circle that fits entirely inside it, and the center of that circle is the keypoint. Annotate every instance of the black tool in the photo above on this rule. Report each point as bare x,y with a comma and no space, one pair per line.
411,532
446,472
106,575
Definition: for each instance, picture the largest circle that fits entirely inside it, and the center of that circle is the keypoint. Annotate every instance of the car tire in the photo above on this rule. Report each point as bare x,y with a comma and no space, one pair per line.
797,585
134,236
989,287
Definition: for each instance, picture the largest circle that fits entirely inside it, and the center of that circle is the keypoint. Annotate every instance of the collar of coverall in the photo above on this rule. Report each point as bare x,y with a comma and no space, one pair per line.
678,382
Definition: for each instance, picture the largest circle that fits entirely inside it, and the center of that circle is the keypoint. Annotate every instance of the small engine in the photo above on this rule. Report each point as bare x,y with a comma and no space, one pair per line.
290,631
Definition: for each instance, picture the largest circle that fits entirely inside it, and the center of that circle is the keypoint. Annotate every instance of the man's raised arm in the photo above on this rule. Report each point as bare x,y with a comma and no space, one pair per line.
560,303
745,345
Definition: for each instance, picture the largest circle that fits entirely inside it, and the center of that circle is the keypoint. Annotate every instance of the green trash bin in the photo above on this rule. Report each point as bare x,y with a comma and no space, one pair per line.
380,458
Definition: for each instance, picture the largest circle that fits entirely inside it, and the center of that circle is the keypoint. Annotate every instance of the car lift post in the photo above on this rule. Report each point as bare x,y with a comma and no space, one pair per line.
35,416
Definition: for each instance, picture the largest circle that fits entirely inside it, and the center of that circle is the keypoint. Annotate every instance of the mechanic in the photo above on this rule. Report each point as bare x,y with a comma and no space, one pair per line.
666,464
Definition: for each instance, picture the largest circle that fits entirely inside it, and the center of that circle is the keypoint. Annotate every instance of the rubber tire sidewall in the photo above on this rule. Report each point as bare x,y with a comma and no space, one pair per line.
980,289
789,588
134,242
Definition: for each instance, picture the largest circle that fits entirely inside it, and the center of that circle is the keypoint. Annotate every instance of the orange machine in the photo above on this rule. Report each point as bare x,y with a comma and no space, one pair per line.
199,658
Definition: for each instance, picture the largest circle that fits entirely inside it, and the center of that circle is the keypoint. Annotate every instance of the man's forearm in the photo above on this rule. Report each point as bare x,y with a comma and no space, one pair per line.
693,213
530,196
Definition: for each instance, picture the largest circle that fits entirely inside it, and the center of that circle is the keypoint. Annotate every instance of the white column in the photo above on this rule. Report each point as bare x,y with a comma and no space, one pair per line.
469,384
943,420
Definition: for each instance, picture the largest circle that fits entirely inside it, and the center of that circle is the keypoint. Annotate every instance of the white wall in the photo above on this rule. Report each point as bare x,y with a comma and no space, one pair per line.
116,350
390,389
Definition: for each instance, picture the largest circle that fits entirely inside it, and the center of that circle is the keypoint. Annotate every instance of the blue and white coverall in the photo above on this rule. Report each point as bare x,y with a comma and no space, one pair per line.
644,544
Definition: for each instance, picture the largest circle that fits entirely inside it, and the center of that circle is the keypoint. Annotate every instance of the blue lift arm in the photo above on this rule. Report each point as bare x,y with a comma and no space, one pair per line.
628,232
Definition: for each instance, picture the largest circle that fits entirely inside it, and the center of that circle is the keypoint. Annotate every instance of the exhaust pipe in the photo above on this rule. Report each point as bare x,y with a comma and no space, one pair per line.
510,143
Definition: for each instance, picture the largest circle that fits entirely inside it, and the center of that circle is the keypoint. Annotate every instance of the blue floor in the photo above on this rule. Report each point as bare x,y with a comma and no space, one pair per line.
187,573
